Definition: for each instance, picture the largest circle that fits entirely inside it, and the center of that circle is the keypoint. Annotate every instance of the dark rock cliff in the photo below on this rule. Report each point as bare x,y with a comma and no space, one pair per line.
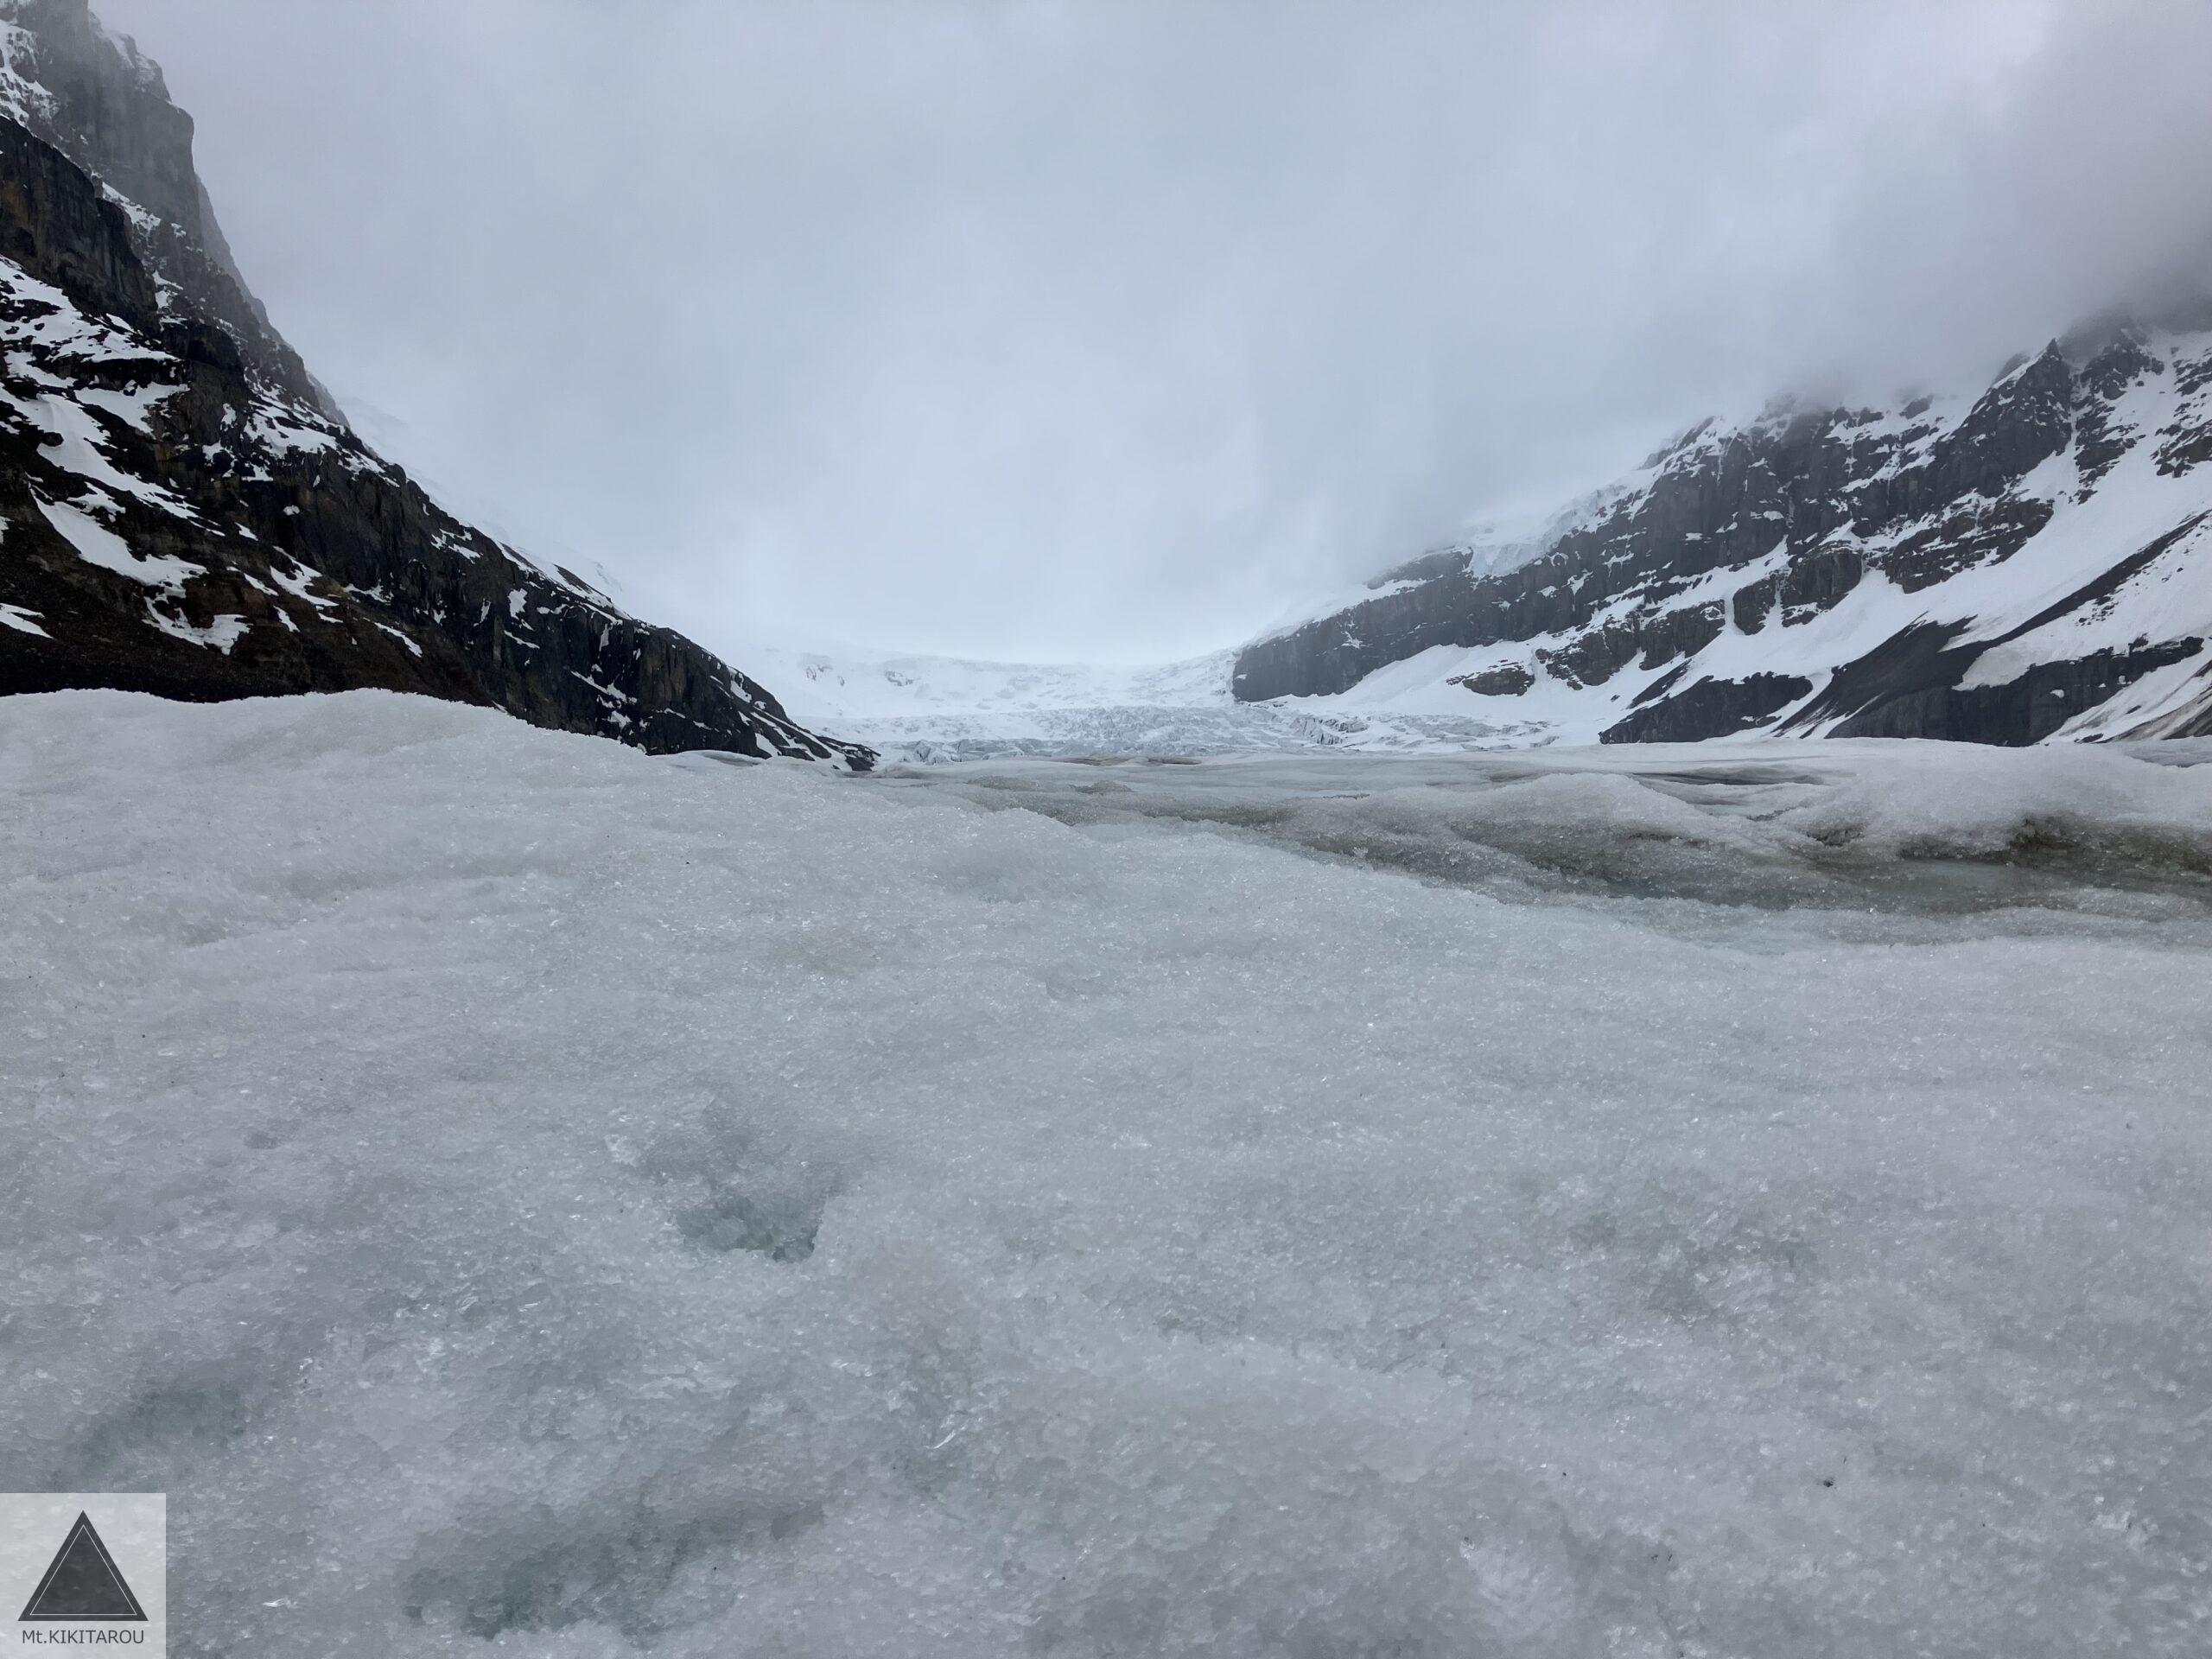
183,512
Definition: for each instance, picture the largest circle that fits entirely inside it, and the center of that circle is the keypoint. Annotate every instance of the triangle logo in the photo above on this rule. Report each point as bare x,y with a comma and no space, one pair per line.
83,1585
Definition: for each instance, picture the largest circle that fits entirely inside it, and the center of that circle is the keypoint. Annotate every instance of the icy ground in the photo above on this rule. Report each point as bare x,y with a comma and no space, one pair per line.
931,710
517,1196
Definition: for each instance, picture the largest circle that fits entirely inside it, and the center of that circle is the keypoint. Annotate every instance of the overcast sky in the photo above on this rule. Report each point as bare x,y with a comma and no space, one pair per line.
1110,329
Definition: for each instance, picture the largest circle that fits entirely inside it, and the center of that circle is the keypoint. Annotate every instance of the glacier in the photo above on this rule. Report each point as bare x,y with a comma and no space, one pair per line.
519,1194
926,709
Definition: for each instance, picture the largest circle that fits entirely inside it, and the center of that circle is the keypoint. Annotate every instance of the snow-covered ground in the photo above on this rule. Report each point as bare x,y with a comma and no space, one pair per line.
517,1195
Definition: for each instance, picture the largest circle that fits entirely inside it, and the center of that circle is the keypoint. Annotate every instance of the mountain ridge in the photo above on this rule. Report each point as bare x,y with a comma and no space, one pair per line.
185,510
1901,556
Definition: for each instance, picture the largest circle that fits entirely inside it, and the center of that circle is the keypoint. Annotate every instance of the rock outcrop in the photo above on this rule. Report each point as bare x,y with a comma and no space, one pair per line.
184,510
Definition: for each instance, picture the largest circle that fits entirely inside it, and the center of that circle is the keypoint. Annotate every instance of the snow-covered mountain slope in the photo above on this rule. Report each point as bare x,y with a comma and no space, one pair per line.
181,509
510,1212
2032,562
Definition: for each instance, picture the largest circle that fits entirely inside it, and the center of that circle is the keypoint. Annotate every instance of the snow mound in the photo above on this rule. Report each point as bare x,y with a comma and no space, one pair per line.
518,1195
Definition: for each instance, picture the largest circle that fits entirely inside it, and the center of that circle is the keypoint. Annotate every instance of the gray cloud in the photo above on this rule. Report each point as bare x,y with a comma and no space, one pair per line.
1109,329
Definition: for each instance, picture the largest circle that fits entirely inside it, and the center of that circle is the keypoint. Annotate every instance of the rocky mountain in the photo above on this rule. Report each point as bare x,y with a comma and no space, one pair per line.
183,510
2033,562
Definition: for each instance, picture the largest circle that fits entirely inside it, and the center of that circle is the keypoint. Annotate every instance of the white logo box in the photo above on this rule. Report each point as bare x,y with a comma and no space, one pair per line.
85,1573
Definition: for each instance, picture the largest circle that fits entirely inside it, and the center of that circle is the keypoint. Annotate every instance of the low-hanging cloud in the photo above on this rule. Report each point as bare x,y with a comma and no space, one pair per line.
1112,329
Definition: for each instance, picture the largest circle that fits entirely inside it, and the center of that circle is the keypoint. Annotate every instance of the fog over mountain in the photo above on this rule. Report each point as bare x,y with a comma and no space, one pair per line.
1115,331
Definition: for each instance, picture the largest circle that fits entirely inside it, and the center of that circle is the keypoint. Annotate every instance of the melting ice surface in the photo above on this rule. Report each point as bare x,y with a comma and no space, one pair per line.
520,1196
1892,826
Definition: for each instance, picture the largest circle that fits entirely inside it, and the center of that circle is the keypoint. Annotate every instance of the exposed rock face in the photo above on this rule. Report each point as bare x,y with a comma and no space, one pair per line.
183,512
2031,562
1708,707
104,104
1506,680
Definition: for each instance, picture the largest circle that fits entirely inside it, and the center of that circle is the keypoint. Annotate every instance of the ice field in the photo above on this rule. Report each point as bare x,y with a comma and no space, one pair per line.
519,1196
